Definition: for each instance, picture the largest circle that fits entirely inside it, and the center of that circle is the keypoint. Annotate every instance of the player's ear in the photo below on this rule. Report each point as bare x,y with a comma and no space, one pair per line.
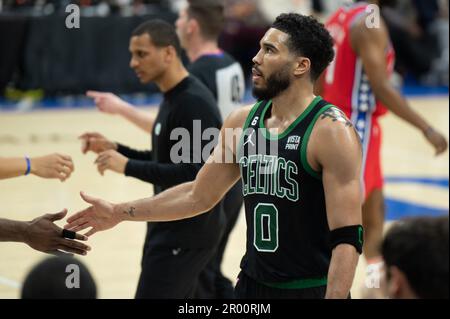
302,66
193,26
170,53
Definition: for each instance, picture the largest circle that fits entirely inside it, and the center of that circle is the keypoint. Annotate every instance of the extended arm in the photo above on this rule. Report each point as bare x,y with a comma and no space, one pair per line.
50,166
180,202
12,230
184,201
164,175
112,104
42,234
97,143
370,44
12,167
184,163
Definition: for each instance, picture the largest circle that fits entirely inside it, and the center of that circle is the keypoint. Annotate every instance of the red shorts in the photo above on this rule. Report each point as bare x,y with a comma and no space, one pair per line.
373,177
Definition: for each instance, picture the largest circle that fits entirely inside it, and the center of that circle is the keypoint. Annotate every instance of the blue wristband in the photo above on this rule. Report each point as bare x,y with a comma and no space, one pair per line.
28,165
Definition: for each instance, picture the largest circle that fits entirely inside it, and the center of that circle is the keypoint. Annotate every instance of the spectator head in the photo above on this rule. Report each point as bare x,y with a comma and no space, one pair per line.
154,47
416,257
59,278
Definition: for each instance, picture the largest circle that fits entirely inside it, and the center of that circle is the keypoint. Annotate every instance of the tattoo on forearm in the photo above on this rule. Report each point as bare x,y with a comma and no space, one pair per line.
130,211
337,116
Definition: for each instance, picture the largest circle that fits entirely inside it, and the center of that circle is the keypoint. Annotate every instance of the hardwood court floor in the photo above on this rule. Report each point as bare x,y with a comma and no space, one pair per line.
115,258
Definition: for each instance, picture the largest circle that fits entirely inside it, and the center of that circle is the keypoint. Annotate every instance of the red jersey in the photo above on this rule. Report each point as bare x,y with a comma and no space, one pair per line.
347,86
345,83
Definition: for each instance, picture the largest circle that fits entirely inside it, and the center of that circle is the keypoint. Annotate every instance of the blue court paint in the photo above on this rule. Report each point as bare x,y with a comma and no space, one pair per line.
397,209
441,182
412,88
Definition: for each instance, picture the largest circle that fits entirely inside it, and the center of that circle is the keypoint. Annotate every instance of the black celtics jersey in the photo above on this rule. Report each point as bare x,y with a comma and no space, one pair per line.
287,229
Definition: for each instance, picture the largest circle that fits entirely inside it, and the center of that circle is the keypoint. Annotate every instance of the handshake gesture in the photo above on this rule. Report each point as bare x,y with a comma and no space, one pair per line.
100,216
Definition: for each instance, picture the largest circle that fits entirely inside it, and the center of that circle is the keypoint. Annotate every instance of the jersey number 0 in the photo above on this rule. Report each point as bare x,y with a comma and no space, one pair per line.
265,225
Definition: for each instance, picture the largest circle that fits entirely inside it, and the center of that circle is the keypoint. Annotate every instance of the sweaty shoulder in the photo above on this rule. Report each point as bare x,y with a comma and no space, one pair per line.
333,124
332,138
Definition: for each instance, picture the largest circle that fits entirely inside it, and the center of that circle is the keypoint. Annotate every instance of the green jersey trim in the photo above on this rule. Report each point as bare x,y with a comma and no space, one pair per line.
303,150
266,133
299,284
247,121
251,114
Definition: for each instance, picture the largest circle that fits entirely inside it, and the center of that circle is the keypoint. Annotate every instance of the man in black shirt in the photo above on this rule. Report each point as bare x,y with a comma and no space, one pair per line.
174,252
199,26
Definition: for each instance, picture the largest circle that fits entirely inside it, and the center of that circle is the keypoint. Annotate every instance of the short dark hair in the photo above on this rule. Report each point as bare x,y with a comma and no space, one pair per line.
308,38
419,247
162,34
209,15
47,280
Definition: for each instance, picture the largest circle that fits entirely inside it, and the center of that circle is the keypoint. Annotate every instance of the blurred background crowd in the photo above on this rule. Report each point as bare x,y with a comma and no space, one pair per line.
41,57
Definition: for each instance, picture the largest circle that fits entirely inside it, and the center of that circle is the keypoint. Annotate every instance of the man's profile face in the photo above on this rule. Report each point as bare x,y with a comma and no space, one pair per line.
147,60
182,27
273,66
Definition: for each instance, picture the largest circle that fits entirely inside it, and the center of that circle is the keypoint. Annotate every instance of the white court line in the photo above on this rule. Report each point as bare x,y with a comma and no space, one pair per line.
10,283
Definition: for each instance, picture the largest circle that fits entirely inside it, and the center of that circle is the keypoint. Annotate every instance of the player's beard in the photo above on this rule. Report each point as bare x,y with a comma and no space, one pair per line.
276,83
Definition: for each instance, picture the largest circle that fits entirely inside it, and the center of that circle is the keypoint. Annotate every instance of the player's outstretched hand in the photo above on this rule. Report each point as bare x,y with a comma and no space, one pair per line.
111,160
43,235
95,142
100,216
108,102
58,166
436,139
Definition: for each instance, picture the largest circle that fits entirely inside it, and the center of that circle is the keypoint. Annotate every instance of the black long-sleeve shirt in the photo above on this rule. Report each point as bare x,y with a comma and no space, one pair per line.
189,101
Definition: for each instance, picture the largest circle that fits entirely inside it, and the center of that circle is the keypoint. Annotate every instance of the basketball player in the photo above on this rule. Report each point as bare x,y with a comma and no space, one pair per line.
41,233
174,252
302,200
358,82
199,26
